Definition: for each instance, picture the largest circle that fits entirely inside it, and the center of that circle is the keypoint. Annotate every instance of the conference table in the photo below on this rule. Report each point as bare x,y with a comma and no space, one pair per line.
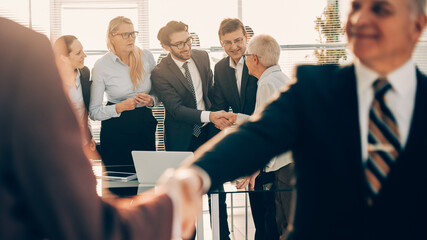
128,188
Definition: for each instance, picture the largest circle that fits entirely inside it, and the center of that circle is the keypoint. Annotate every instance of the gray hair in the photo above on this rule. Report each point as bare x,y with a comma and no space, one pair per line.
266,48
417,7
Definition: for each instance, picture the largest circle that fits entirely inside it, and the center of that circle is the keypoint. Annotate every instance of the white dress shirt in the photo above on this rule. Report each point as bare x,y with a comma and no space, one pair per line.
75,95
238,71
198,87
400,99
269,85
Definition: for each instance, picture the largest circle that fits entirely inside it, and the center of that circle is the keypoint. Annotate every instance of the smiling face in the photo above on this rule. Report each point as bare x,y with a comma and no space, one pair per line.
382,33
234,44
120,44
176,39
76,56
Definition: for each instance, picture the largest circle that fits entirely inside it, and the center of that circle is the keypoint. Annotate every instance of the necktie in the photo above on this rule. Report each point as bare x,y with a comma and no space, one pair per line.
196,128
383,141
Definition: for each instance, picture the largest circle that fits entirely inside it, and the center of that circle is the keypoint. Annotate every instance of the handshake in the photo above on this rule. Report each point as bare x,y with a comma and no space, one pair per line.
222,119
184,187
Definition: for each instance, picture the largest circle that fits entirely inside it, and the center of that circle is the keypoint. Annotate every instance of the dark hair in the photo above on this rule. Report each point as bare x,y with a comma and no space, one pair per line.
67,40
171,27
229,25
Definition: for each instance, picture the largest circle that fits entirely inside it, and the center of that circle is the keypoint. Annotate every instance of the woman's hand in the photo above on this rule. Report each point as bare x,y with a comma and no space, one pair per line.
144,99
126,105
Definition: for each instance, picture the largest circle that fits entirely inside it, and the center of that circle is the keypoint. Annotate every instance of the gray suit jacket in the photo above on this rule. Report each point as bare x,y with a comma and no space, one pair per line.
175,93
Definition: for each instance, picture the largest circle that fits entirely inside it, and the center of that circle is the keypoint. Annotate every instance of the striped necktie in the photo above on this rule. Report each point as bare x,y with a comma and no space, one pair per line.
196,127
383,141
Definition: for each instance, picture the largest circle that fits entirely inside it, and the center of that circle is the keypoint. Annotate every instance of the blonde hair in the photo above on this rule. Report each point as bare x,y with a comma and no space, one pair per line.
136,68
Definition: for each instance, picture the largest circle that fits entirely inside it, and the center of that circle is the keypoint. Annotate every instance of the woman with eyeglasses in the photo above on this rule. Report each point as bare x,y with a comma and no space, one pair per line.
75,75
123,74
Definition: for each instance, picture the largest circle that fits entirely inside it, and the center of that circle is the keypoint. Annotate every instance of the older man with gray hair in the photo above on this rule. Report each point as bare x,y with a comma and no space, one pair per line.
262,59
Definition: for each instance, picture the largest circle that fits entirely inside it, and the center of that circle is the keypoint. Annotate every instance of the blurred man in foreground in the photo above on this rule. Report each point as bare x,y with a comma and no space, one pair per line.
47,187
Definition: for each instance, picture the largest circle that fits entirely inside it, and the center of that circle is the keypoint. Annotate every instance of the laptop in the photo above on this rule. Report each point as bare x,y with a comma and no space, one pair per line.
150,165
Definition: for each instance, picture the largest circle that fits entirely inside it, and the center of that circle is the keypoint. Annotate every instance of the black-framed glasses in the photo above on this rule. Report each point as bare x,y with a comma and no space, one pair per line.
126,35
181,45
237,41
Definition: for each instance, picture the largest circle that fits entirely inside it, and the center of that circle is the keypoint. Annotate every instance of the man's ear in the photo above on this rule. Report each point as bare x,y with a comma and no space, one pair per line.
166,47
420,25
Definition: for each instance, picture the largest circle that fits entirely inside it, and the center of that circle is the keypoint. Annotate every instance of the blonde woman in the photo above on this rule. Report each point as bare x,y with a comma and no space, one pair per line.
123,74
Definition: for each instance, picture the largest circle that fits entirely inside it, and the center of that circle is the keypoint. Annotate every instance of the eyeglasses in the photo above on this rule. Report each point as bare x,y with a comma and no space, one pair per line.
181,45
249,54
126,35
237,41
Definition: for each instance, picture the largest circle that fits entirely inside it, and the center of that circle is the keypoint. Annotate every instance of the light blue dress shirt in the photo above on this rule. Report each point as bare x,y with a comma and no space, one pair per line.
111,75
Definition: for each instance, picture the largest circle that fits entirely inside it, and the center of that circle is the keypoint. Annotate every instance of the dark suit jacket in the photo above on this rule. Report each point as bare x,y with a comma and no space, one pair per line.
47,186
226,94
317,118
86,84
175,93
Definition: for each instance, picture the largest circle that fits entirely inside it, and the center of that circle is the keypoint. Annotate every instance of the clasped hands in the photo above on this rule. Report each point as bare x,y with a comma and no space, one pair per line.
142,99
222,119
184,187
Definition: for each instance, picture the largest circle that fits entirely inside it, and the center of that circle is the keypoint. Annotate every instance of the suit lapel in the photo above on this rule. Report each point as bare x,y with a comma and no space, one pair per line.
245,79
232,85
418,129
199,64
177,72
347,130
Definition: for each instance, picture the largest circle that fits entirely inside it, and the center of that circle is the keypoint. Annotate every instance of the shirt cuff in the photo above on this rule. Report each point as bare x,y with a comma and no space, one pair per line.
204,117
175,196
241,118
206,180
111,109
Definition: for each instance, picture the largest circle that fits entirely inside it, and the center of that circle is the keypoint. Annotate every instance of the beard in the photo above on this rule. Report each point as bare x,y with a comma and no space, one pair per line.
183,55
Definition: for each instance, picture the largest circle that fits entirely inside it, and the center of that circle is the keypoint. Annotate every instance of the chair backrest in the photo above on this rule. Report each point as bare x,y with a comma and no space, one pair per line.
150,165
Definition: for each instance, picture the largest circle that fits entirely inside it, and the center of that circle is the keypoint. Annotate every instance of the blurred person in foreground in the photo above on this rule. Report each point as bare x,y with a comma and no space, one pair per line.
262,59
358,133
124,75
47,186
70,61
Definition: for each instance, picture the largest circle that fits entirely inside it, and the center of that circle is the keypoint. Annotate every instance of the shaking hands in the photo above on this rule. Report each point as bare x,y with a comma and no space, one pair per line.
222,119
184,187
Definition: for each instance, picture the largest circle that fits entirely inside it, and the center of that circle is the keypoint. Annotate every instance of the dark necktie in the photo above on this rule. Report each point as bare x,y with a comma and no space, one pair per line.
196,128
383,141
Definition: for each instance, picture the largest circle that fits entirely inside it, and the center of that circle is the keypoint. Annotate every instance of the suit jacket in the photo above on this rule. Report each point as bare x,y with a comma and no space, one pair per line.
86,84
317,118
47,186
174,91
226,94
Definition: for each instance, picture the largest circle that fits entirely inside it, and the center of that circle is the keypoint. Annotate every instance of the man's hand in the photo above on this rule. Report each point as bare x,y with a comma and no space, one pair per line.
250,180
144,99
184,186
126,105
219,119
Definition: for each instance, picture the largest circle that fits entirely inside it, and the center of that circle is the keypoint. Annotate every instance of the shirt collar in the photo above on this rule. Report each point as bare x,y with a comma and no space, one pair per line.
401,79
180,63
78,78
113,56
268,71
233,65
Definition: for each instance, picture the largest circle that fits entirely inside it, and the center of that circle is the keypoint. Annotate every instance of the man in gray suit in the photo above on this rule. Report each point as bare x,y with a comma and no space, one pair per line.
183,82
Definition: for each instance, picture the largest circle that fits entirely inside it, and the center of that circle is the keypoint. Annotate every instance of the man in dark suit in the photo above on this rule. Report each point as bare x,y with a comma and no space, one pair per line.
183,82
47,186
358,133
